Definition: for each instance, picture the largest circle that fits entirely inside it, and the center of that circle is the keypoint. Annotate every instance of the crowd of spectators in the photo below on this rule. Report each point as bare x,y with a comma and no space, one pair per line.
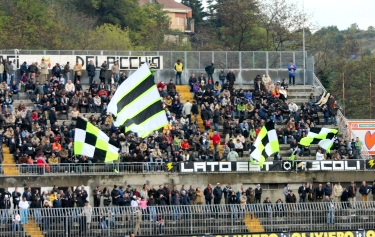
35,135
146,199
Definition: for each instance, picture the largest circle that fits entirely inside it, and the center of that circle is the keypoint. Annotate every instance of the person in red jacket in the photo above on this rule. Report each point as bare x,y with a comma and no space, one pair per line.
216,140
161,85
185,145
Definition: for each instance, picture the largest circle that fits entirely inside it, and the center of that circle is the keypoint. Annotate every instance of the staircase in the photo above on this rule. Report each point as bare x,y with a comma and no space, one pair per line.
8,165
185,95
32,229
253,224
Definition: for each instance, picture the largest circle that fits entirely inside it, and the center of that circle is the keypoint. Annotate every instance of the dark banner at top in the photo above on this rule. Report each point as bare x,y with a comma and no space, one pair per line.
215,166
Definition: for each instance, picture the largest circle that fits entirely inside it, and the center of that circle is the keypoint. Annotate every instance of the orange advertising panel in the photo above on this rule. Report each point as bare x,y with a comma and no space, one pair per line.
366,133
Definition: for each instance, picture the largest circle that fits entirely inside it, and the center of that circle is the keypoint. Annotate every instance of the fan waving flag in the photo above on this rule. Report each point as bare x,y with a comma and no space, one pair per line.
92,142
326,144
265,144
317,134
137,105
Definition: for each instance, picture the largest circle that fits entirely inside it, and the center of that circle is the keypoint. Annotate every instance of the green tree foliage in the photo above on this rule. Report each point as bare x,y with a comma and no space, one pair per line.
240,30
116,12
151,25
198,11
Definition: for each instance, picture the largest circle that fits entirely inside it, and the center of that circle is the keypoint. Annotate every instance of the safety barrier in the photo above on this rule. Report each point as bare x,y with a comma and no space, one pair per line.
197,219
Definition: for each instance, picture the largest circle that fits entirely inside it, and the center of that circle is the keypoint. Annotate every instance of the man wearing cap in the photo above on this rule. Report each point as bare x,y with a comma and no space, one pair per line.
218,194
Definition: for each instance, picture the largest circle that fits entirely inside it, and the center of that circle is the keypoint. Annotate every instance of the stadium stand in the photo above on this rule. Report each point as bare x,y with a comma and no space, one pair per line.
208,121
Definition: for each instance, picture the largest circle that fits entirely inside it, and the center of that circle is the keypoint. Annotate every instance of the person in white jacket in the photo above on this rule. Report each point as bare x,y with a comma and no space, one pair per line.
319,155
24,206
16,222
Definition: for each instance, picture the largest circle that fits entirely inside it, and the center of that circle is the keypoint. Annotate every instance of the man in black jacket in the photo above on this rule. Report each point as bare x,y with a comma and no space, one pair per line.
302,191
115,194
16,198
319,192
5,206
258,193
90,68
218,194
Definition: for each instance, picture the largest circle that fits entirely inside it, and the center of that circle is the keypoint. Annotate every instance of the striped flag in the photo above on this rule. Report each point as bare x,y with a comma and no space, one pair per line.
90,141
137,105
265,144
317,134
326,144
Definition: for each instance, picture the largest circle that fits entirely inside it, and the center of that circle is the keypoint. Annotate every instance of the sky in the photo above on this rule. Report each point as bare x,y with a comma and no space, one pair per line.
341,13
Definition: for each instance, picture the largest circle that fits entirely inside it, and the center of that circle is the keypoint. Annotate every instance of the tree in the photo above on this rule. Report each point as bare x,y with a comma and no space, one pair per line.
152,24
283,21
116,12
198,11
108,37
240,21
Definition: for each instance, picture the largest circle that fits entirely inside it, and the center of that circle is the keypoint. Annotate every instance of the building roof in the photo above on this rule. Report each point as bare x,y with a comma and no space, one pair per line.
171,4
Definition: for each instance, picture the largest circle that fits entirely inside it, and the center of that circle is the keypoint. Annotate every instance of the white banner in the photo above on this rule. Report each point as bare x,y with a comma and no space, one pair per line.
125,62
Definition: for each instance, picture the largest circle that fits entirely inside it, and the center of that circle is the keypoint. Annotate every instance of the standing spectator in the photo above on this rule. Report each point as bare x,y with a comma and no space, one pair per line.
210,69
331,210
97,196
192,195
87,212
345,199
9,71
319,192
258,193
115,70
67,71
90,68
208,194
77,69
24,206
231,78
311,192
115,194
178,68
16,219
103,71
1,71
364,190
337,191
352,194
286,191
358,147
43,70
222,77
292,72
218,194
5,207
302,191
16,196
328,190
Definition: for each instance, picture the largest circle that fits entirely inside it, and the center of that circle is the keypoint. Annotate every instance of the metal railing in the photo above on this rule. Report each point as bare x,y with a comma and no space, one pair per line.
342,121
120,168
193,60
194,219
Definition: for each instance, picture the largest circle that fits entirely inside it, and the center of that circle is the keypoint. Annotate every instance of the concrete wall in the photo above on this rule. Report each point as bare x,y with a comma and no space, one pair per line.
198,180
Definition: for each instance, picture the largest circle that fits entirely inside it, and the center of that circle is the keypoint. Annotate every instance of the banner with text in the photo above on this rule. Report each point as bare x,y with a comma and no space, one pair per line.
125,62
365,132
314,165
